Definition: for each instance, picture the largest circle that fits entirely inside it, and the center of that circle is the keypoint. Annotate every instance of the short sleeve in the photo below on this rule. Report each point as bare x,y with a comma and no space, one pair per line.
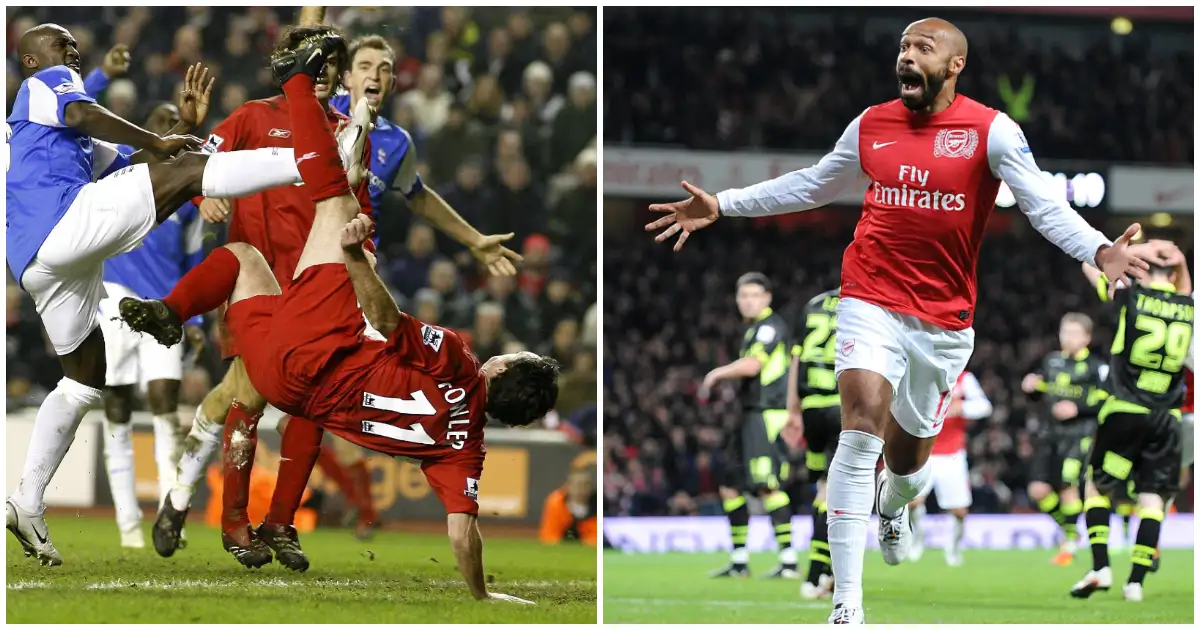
408,180
50,91
230,134
429,349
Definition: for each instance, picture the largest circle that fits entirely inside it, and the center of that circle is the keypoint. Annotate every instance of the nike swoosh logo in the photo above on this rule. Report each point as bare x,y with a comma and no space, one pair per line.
880,145
42,538
314,55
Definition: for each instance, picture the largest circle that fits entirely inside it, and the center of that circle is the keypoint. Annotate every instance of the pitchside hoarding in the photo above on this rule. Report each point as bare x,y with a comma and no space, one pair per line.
982,531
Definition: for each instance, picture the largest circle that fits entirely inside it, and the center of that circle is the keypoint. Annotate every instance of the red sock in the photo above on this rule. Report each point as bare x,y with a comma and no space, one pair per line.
332,468
206,286
297,456
361,479
315,147
239,461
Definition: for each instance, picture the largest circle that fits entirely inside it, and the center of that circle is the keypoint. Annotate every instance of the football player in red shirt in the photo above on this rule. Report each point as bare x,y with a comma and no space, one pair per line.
931,163
419,393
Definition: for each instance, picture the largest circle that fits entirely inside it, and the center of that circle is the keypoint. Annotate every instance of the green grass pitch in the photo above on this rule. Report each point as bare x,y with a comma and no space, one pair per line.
413,578
1019,586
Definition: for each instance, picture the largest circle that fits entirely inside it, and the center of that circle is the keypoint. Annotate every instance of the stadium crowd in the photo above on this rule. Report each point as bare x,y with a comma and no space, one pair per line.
675,87
792,81
501,107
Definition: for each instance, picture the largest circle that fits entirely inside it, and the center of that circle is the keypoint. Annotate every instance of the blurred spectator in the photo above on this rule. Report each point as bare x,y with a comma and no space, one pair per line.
533,274
538,80
520,310
569,514
460,138
411,271
575,125
456,305
488,337
430,101
519,205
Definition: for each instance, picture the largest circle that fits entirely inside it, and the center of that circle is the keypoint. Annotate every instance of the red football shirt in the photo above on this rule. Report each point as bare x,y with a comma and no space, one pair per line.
418,394
275,221
975,405
931,183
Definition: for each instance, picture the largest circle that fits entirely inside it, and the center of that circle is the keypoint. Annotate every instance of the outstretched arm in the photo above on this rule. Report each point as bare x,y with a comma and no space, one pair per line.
468,551
376,302
805,189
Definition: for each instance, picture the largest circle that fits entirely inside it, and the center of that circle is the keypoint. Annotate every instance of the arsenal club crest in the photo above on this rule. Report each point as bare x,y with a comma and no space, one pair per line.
953,143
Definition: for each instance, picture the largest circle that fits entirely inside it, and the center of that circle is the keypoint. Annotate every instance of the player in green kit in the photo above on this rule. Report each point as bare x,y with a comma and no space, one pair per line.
755,454
813,399
1139,435
1069,387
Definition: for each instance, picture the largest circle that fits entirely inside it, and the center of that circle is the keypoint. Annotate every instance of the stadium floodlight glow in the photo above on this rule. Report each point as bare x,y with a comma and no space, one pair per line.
1082,190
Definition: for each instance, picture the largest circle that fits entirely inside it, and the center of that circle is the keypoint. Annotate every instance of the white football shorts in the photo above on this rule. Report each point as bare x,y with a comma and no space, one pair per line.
134,358
920,360
66,278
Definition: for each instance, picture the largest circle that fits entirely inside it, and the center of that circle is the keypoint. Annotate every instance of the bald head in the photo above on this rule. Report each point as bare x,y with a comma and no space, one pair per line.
944,33
933,52
45,46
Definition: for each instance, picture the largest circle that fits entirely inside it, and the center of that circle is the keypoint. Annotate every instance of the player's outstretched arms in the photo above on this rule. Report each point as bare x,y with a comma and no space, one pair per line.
488,250
96,121
468,551
805,189
377,304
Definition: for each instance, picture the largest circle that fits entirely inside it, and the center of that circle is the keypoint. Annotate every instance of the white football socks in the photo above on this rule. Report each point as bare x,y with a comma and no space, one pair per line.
899,490
168,448
202,440
118,461
240,173
851,490
53,432
959,527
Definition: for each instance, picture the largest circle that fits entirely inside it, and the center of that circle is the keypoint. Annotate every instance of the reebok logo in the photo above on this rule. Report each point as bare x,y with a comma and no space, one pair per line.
306,156
880,145
279,133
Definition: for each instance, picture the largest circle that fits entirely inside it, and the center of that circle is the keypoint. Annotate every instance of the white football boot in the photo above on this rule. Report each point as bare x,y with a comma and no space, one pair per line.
849,615
1094,581
1133,592
31,531
895,533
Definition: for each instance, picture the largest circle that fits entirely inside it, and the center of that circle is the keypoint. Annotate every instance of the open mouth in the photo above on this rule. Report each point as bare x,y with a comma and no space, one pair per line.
373,93
911,82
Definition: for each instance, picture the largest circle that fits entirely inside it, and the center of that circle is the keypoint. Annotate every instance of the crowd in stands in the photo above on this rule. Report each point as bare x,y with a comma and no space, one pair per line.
721,79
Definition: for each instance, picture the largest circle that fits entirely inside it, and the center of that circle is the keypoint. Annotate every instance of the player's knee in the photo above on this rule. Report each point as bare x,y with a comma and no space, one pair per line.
959,513
162,396
728,493
1038,490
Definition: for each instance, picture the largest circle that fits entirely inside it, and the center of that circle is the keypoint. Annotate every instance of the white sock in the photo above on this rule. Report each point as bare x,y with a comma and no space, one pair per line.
787,555
118,461
958,534
851,490
53,432
914,516
899,490
740,556
168,448
240,173
202,440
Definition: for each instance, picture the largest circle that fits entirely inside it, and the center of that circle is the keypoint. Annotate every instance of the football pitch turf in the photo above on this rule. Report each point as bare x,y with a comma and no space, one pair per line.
412,578
1018,586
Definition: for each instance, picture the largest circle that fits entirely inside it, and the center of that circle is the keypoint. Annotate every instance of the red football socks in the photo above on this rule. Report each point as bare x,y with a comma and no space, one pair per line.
315,147
241,440
206,286
360,479
297,457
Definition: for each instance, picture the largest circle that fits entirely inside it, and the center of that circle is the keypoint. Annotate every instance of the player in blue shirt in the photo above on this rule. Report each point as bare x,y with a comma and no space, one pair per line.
72,202
135,359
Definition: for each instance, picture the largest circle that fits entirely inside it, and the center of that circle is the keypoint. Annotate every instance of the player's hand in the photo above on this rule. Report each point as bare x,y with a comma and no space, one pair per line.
694,213
195,337
1030,383
1064,410
356,232
193,100
116,61
955,409
1118,261
215,210
509,598
168,147
498,259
